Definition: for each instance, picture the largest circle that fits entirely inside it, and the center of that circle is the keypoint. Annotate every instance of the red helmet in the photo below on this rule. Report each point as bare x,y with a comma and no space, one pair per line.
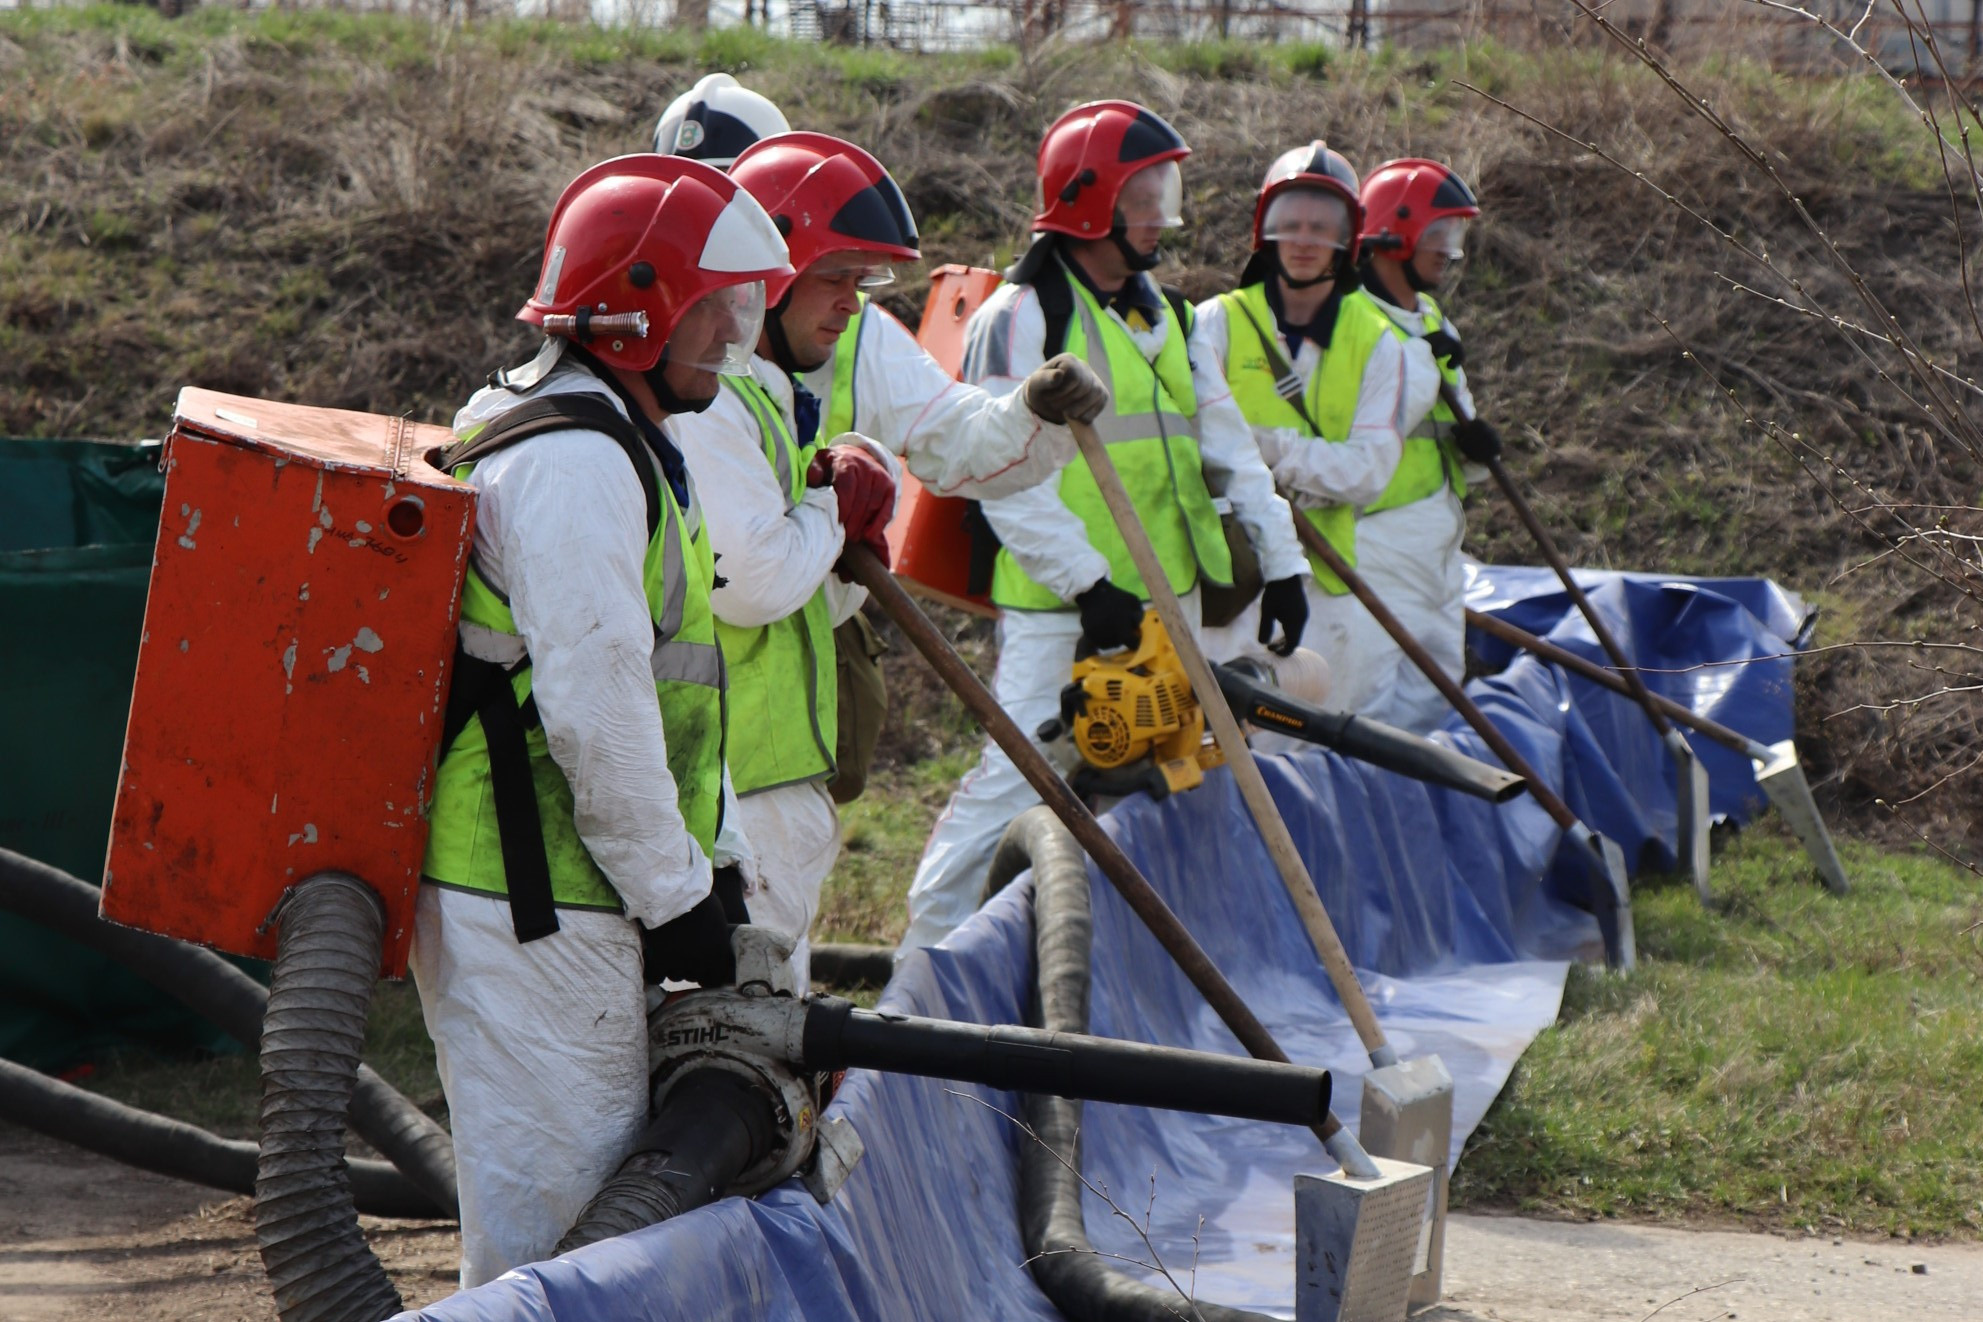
640,240
1316,167
826,196
1401,198
1086,157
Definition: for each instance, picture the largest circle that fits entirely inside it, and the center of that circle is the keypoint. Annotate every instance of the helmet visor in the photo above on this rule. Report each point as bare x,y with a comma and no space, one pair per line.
1154,195
719,331
1447,237
1307,217
866,270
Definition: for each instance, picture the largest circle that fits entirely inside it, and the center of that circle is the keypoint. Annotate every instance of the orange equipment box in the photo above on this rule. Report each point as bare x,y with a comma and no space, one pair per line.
927,539
293,670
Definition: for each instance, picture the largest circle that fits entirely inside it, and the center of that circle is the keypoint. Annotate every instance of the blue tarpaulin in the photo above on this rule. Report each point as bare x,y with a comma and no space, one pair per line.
1454,911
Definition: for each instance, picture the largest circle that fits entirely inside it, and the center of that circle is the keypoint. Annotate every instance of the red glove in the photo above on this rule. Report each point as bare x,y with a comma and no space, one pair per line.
864,489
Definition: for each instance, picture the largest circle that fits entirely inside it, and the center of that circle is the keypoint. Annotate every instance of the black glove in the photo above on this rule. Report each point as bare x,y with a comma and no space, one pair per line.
692,948
1283,602
727,885
1110,617
1477,440
1445,348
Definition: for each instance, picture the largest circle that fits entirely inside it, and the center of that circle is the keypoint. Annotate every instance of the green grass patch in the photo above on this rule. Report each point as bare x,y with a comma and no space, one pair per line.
1786,1060
882,832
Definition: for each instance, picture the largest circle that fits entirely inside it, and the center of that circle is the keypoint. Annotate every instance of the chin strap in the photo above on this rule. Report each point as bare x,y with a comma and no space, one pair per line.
664,394
1418,282
1137,261
1340,269
774,330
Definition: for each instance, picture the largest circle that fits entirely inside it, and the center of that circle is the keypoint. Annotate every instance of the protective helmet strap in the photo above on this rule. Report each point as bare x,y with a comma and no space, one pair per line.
1135,260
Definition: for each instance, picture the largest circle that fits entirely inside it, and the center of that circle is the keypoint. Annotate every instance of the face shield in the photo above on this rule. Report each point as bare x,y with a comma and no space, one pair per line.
1440,253
866,270
1153,196
1307,218
719,331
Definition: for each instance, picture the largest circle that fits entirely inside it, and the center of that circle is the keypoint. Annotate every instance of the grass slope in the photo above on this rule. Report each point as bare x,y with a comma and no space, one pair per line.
1788,1060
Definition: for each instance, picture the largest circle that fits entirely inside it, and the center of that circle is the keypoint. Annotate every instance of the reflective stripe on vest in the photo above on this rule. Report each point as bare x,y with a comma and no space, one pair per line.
464,845
842,399
1330,399
784,684
1151,429
1430,460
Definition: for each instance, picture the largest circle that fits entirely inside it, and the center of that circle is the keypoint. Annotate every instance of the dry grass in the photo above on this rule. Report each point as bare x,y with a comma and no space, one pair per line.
346,211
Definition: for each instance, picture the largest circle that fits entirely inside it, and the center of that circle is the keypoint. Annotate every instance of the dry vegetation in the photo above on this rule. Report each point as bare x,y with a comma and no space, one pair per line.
346,211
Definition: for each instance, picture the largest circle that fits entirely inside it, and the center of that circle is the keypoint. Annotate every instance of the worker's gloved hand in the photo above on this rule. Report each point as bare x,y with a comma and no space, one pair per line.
1445,347
1064,387
727,885
1477,440
1283,602
1110,617
864,489
692,948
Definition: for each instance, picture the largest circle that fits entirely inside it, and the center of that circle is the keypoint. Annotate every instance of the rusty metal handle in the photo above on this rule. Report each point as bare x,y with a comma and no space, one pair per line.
1319,547
861,566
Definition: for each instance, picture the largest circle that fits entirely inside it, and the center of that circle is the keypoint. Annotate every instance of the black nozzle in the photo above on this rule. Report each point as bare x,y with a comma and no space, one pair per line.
1380,745
1096,1069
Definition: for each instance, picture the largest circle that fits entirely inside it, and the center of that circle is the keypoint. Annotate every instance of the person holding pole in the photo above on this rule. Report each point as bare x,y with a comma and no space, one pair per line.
1110,185
798,488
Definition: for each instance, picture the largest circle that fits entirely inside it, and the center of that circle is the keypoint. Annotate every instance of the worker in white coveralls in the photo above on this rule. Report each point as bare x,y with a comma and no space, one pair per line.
1323,379
1415,214
715,120
579,799
1110,185
777,536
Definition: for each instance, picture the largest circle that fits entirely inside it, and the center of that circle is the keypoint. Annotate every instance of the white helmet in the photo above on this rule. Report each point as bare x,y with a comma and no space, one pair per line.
715,120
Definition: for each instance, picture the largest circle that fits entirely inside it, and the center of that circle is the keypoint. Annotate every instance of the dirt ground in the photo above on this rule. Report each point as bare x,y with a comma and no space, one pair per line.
84,1238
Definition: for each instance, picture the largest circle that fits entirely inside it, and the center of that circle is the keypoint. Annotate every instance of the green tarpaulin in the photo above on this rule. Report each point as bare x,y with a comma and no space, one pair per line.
77,522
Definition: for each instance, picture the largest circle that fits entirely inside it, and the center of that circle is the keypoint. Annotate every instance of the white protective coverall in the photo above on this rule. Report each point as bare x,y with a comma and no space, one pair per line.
1003,342
956,440
1410,556
1355,471
542,1048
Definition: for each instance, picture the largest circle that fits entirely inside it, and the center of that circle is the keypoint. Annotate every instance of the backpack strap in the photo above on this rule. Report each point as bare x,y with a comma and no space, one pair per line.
568,412
1286,384
486,689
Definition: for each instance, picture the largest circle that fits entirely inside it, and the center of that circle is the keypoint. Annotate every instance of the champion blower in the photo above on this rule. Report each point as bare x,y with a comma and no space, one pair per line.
1135,726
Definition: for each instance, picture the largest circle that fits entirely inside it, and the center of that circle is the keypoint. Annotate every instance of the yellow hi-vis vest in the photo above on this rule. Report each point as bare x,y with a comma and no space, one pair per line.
1431,460
1151,429
784,685
1330,398
464,845
842,399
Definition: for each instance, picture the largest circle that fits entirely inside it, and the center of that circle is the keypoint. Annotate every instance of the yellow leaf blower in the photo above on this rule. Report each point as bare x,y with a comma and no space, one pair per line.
1136,726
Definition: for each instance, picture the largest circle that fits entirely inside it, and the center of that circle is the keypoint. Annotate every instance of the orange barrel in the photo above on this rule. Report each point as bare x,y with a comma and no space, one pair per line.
292,673
929,544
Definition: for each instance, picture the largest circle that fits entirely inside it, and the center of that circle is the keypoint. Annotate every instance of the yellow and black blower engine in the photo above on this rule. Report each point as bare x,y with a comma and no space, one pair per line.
1136,727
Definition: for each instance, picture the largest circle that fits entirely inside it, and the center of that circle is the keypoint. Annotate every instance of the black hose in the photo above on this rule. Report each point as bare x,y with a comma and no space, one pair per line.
172,1147
712,1127
218,991
327,960
1080,1283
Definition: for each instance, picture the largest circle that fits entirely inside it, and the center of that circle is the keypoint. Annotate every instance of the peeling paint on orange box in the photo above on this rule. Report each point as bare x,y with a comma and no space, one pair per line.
268,751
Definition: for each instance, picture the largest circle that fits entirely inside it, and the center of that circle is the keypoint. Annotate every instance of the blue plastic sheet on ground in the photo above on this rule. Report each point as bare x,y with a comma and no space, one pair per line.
1453,909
